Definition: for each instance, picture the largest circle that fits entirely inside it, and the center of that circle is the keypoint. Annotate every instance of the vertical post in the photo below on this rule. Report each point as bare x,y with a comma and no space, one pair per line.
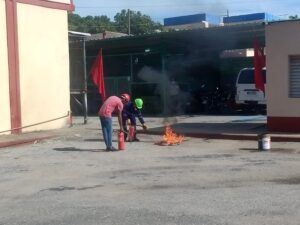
13,66
129,22
85,105
131,73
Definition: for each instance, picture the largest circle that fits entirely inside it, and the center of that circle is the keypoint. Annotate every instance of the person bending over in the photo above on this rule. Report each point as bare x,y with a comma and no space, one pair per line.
110,105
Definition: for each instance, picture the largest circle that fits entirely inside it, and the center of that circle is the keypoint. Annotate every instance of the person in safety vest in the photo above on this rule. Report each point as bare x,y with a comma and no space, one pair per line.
130,111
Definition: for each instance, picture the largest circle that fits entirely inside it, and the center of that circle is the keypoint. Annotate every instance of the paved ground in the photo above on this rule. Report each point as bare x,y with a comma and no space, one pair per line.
70,179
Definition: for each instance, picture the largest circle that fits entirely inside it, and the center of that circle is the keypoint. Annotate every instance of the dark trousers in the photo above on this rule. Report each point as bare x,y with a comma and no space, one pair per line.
132,123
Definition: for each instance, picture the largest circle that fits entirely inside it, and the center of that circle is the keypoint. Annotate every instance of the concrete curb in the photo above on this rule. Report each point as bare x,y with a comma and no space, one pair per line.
5,144
250,137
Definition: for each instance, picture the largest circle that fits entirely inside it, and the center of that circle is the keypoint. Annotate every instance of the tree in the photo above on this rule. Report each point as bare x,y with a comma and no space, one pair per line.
139,23
90,24
295,17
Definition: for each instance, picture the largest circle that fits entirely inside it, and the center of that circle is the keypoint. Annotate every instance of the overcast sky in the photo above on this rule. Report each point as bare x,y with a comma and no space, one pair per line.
160,9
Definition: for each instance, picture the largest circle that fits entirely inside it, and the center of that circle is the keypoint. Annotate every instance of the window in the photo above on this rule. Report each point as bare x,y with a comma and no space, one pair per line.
294,76
247,76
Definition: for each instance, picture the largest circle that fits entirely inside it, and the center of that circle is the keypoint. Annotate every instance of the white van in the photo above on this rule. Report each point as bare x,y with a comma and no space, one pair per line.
246,93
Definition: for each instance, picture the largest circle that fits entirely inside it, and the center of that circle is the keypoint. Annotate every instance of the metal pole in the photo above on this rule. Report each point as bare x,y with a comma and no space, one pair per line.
131,73
85,105
128,21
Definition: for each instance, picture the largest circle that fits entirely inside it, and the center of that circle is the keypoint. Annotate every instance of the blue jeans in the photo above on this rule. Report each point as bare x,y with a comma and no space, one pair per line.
106,124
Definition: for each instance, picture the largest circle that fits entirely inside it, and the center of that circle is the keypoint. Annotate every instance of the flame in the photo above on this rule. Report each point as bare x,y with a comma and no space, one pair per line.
170,138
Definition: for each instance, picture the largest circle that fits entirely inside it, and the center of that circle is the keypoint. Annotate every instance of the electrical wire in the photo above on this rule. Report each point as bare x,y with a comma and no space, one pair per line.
200,4
232,2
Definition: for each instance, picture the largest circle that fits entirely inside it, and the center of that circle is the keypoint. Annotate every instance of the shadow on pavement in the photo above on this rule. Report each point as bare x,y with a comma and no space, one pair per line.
94,140
250,149
72,149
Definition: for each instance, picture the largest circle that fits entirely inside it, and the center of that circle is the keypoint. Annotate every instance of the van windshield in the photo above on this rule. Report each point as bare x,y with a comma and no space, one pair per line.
247,77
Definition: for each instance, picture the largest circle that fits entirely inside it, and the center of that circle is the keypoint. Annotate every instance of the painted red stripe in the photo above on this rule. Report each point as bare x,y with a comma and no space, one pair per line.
13,65
283,124
5,144
49,4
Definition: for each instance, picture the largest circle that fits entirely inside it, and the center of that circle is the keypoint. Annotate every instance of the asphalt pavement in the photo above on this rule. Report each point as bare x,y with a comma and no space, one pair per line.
68,178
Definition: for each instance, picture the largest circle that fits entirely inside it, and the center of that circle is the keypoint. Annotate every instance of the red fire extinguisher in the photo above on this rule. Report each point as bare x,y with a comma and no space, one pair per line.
131,133
121,142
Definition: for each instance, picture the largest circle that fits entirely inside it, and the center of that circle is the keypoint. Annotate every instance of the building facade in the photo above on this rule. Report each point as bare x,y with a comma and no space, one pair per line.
249,18
283,76
34,65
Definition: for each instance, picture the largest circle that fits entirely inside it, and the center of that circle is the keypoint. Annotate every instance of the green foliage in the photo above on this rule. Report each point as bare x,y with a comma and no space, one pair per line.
139,23
90,24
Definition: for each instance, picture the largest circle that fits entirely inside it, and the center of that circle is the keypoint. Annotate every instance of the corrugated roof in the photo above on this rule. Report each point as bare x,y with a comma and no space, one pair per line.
198,40
284,21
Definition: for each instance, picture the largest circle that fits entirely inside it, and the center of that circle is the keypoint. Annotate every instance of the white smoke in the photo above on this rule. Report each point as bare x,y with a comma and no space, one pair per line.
168,89
149,75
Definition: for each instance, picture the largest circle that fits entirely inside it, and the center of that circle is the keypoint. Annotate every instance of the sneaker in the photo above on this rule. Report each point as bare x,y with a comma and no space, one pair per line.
136,139
112,149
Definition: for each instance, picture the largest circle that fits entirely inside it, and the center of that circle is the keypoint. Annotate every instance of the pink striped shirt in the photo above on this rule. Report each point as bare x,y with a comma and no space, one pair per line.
111,104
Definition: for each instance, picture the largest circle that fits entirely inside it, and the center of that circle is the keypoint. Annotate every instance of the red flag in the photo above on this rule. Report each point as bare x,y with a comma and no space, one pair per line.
98,75
259,64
